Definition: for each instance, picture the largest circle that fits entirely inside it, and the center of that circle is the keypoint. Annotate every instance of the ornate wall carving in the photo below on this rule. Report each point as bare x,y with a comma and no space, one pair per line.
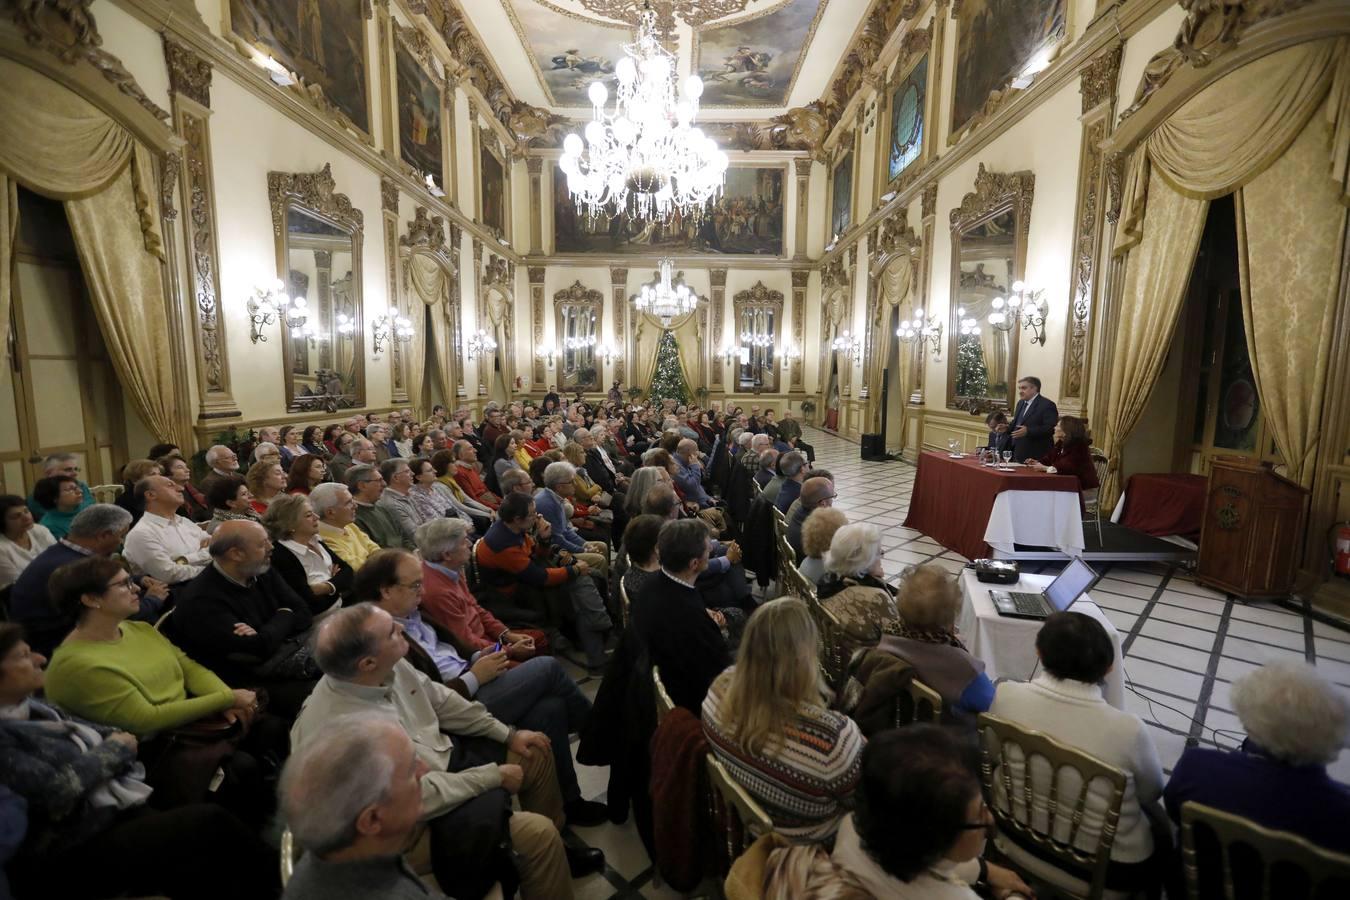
618,281
800,279
316,190
536,275
718,280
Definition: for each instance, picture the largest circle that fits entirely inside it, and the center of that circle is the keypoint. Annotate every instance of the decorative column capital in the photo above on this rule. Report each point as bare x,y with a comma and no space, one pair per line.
189,74
536,274
534,164
802,167
618,277
718,277
800,277
389,195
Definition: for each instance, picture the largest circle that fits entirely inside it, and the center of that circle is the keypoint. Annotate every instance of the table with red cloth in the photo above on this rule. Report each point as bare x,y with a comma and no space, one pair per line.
967,507
1163,504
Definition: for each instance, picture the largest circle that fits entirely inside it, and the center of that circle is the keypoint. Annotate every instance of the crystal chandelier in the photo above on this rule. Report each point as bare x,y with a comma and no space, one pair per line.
664,299
645,158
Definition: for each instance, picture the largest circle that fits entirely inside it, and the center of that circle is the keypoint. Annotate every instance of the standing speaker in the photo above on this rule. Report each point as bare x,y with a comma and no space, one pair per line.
874,447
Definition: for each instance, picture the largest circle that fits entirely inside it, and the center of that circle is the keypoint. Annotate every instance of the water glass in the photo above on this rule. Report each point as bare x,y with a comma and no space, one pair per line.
1007,457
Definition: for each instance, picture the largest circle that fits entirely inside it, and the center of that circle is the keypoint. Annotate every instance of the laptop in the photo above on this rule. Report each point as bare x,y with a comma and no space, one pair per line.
1058,596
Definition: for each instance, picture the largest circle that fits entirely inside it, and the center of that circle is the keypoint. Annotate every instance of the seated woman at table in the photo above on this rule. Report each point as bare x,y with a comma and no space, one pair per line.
1069,455
925,637
1064,701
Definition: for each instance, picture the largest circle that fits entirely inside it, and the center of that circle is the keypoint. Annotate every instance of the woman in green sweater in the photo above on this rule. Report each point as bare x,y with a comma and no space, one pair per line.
126,674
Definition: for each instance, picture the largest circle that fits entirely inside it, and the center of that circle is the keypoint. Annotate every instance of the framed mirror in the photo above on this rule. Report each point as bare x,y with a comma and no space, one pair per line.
989,250
578,310
759,312
318,237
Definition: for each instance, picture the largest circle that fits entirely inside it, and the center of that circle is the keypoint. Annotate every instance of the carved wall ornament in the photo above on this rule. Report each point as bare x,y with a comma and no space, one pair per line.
759,294
425,232
1115,180
389,195
1210,29
535,274
189,74
67,30
578,293
1099,78
316,191
169,166
995,189
915,41
894,236
418,44
800,277
499,270
833,275
718,277
928,201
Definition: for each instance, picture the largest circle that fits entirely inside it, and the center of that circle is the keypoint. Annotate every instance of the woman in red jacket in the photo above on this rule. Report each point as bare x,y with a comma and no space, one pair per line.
1069,455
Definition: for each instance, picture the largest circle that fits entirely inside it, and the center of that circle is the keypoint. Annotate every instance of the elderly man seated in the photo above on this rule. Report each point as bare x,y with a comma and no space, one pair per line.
163,544
794,467
750,457
551,501
222,461
67,464
97,531
537,694
688,473
768,471
816,493
509,557
240,619
336,509
475,762
367,486
467,476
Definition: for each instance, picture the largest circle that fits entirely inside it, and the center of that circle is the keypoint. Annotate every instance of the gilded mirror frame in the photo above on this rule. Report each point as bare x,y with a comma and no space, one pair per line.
756,298
580,297
315,195
995,194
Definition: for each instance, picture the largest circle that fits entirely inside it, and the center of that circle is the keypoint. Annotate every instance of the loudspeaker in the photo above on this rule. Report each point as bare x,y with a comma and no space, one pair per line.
874,447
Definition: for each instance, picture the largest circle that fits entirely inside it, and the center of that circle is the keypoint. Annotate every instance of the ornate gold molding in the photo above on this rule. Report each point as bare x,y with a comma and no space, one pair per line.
316,191
993,190
579,293
759,294
189,74
536,276
928,201
67,30
389,195
618,282
893,236
1097,84
800,279
425,232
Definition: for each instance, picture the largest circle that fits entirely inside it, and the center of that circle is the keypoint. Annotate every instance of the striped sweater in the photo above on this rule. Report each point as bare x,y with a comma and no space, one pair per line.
804,784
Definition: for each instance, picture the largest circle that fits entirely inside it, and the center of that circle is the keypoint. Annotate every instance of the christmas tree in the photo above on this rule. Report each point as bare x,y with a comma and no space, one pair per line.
972,377
668,381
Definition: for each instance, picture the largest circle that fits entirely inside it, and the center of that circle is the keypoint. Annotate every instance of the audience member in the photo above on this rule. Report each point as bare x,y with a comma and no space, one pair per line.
67,464
91,833
290,446
816,493
367,486
316,576
921,823
436,498
818,532
466,474
671,620
447,601
1064,702
640,485
22,540
397,501
794,467
551,500
639,545
341,459
766,721
240,618
537,694
767,472
1297,724
306,471
925,637
163,544
231,501
469,755
314,441
338,531
133,472
266,481
222,461
853,589
60,496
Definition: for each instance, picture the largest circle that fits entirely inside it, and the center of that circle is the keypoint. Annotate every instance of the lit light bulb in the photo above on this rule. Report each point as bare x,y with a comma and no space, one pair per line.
598,93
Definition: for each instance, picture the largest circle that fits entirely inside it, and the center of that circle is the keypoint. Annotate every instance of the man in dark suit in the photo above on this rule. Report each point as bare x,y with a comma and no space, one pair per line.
672,621
1033,424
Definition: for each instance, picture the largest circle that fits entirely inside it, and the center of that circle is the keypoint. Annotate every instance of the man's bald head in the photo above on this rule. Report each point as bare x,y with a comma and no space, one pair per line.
769,459
817,492
686,448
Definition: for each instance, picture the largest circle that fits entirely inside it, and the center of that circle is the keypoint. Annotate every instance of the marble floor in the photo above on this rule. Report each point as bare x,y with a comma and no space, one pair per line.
1183,645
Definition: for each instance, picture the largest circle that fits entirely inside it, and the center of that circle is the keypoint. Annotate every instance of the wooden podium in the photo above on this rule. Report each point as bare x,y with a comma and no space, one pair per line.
1252,530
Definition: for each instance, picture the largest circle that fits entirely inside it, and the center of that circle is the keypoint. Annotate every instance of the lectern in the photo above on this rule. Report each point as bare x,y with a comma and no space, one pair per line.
1252,529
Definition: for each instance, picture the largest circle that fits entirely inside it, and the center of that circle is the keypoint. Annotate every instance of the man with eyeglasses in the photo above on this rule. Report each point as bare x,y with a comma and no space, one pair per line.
367,485
817,493
61,464
537,694
336,509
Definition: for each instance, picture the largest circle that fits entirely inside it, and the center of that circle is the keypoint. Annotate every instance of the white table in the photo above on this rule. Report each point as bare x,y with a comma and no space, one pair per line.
1036,519
1007,646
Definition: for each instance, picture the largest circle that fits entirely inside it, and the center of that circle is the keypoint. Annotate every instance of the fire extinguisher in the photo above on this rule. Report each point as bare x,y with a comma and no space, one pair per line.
1342,549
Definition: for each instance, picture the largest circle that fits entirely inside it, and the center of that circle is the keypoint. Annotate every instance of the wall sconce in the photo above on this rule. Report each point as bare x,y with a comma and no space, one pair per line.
1022,305
547,354
968,326
387,326
578,343
848,344
730,354
919,329
791,353
267,303
608,353
481,344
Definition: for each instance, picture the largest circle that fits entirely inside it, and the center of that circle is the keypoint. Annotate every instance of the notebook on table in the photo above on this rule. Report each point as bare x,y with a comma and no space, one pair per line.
1058,595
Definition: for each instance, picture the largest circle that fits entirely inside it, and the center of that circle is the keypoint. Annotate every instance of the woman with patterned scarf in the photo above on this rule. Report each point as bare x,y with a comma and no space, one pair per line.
925,637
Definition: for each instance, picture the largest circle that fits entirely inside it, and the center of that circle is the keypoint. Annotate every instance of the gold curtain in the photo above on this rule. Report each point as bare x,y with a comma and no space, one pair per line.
1290,233
431,285
127,292
61,146
1219,140
9,233
894,287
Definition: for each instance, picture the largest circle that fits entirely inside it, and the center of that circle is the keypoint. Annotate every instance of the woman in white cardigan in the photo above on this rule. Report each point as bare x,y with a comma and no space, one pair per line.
1065,702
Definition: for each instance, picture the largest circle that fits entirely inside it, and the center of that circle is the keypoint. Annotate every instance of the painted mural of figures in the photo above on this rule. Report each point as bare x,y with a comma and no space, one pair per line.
311,31
744,60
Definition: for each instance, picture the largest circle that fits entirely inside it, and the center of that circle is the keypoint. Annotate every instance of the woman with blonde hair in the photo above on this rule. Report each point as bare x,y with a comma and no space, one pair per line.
765,720
817,534
925,636
266,481
853,590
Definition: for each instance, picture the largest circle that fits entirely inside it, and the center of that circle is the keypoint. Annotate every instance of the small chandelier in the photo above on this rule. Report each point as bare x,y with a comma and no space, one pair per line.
969,327
578,343
1023,305
664,299
270,301
481,344
848,344
645,158
918,329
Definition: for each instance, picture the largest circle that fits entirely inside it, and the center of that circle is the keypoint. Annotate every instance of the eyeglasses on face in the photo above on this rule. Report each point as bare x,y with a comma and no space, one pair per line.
123,582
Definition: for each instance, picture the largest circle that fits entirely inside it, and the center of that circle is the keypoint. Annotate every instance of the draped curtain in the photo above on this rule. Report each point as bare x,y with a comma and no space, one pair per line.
895,286
431,285
62,147
686,330
1226,139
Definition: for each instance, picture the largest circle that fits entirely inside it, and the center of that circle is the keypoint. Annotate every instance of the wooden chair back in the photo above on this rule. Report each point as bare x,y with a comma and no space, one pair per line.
917,703
1234,858
1017,821
742,820
624,603
664,704
107,493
